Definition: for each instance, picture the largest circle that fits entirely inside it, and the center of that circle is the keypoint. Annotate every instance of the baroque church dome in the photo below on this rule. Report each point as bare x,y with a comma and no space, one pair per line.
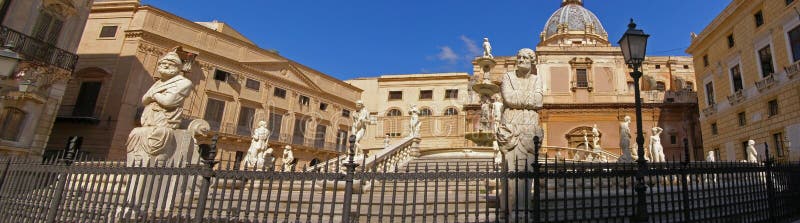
573,19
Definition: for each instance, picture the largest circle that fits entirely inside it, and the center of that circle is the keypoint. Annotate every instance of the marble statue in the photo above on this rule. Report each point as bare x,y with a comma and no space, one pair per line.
259,155
414,121
154,141
625,140
585,140
360,121
497,111
487,48
595,137
386,141
655,145
288,159
498,155
602,158
710,157
589,158
522,94
752,154
486,110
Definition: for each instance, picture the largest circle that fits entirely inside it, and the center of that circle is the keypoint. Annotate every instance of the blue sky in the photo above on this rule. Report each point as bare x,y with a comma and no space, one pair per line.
365,38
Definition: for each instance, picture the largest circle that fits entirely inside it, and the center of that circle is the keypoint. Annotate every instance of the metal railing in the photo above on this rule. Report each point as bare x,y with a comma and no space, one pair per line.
37,50
423,190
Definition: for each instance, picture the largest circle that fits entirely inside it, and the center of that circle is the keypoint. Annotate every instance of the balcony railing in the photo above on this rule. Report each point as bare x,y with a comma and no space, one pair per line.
736,97
792,70
766,83
710,110
37,50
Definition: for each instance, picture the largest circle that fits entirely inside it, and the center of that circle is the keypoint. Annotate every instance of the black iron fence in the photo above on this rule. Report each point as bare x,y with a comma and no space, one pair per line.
421,190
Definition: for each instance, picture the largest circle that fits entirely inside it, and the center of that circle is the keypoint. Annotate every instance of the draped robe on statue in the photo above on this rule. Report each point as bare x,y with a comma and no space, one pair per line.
161,116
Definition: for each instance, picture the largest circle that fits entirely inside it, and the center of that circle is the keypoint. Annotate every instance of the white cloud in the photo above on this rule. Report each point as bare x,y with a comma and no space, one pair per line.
471,47
447,54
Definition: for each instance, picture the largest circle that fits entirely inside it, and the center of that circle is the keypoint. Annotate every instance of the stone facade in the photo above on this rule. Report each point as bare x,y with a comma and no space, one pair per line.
747,75
440,98
236,85
47,56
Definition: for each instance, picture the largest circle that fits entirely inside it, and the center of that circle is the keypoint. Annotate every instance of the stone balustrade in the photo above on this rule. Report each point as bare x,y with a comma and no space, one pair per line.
766,83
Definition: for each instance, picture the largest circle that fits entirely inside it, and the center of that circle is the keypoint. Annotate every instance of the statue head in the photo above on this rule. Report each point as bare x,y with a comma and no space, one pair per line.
485,39
711,153
525,61
751,142
169,66
359,104
262,124
627,119
287,147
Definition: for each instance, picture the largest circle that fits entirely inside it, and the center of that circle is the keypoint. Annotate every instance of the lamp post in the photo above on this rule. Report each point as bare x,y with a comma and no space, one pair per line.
634,47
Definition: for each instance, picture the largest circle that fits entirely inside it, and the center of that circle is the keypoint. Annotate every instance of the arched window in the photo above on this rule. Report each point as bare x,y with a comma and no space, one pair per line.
394,112
12,123
450,111
314,162
425,112
660,86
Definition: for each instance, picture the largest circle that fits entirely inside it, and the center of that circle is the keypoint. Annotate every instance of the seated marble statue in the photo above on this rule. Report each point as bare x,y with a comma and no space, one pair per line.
154,140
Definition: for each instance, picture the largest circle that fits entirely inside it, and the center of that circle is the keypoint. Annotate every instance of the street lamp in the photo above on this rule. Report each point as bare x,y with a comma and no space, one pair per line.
634,47
8,60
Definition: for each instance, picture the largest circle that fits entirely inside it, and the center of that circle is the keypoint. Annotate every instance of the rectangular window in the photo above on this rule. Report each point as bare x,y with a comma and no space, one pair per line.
765,57
237,160
777,138
87,99
221,75
279,92
731,41
451,94
759,18
660,86
323,106
742,119
773,107
710,93
395,95
299,135
304,100
214,111
275,124
744,150
685,66
12,123
736,78
108,31
794,41
245,125
345,113
658,66
319,137
47,28
705,60
252,84
582,79
341,140
426,94
673,139
714,129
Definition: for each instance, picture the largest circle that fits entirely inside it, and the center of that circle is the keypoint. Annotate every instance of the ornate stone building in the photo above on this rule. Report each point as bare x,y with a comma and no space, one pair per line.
586,83
747,70
440,97
236,84
45,35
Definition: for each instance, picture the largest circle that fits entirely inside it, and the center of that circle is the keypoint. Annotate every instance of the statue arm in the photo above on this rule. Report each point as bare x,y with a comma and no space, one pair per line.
538,92
173,96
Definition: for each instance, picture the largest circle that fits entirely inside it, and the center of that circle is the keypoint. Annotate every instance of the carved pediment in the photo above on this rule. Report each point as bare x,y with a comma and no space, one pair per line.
581,62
